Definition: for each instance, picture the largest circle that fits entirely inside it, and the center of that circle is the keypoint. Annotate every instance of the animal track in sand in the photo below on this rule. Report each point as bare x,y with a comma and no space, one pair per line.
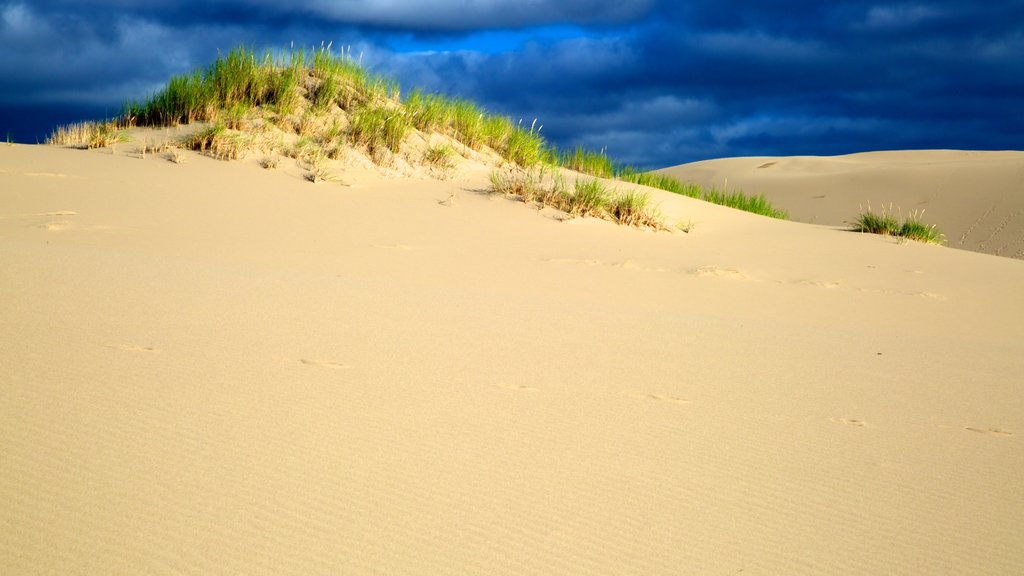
47,174
817,283
922,294
663,398
323,364
849,422
718,272
396,246
516,387
625,265
989,431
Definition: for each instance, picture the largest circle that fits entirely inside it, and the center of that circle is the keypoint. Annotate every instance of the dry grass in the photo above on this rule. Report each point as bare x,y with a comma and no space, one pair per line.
175,156
440,159
88,135
593,197
220,142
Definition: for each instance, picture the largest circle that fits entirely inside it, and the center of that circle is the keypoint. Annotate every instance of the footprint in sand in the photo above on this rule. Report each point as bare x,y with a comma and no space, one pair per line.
989,431
663,398
717,272
323,364
849,422
132,347
630,265
516,387
47,174
817,284
396,246
574,261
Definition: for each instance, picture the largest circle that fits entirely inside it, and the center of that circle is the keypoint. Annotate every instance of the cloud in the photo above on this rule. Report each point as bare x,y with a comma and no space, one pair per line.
656,82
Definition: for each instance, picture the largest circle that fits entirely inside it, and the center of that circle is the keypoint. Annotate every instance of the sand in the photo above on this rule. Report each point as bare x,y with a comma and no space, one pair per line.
211,368
975,198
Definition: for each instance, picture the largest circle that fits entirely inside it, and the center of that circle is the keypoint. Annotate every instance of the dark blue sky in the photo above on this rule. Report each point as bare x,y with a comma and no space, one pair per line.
654,82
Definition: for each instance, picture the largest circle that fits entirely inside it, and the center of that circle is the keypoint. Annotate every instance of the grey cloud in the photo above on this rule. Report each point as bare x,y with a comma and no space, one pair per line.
654,82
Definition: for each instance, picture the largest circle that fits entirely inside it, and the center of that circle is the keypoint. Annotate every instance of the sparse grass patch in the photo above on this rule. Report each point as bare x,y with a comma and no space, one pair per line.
440,158
88,135
598,164
175,156
887,223
521,183
270,162
219,142
633,209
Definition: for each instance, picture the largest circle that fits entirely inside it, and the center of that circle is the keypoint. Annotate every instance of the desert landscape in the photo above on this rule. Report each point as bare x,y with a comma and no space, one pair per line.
305,365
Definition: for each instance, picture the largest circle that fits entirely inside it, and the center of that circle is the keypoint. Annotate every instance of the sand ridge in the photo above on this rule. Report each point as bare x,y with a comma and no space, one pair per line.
976,198
260,375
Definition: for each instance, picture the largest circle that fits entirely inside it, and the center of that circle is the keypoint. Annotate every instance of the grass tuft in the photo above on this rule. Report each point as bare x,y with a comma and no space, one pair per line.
220,142
88,134
589,198
633,209
379,127
887,223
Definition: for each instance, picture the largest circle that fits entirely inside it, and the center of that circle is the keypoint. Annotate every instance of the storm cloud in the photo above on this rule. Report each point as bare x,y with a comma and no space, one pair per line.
654,82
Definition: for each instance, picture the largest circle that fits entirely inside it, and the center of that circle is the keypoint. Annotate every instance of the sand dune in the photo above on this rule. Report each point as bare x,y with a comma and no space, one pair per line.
209,368
975,198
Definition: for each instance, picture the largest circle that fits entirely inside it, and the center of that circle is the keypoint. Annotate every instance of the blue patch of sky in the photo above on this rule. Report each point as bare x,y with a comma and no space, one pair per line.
487,41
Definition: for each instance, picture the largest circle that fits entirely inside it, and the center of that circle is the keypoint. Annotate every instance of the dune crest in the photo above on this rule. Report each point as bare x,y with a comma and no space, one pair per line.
974,197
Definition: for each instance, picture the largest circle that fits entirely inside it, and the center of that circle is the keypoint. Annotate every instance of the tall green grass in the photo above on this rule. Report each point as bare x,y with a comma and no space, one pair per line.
886,223
600,165
302,90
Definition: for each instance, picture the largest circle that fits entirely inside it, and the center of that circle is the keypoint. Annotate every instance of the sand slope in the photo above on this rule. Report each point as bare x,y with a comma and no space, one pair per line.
209,368
975,198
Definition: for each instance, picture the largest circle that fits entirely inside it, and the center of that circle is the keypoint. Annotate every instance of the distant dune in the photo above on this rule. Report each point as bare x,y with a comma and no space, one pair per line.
212,368
975,198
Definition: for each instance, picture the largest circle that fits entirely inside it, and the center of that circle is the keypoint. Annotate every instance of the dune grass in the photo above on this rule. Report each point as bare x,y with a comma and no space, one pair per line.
598,164
545,186
331,102
887,223
89,134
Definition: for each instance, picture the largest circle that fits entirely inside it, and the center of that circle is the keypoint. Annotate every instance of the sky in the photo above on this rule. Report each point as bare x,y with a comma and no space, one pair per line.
653,82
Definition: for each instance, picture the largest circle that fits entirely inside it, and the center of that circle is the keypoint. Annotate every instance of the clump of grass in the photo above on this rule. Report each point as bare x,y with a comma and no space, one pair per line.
378,128
175,156
887,223
88,134
516,182
587,162
914,228
440,158
429,112
633,209
270,162
219,142
589,198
